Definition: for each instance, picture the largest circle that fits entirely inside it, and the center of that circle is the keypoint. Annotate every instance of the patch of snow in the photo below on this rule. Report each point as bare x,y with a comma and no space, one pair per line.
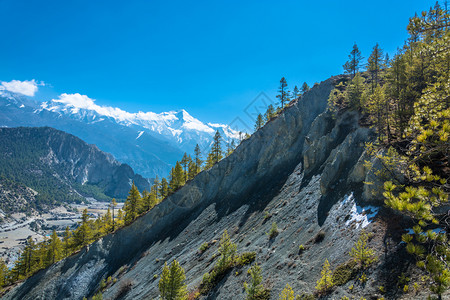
22,106
140,133
360,215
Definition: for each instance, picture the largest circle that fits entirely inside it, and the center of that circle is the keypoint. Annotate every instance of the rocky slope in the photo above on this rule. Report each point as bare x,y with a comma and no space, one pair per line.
56,164
303,170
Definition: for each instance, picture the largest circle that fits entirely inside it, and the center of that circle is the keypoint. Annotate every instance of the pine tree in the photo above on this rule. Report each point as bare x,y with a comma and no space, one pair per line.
185,163
67,244
227,251
133,204
164,188
270,113
192,170
176,177
353,65
198,159
259,122
325,283
375,64
282,90
107,225
55,248
83,234
305,87
361,253
171,285
156,185
295,93
113,205
287,293
216,149
255,288
3,273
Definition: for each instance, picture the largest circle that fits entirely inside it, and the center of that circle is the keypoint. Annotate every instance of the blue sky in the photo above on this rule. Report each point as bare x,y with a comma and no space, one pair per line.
211,58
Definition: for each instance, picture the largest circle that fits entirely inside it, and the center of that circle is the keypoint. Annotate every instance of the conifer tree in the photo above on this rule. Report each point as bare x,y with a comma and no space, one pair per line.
113,205
305,87
325,283
361,253
295,93
164,188
133,204
353,64
107,225
156,185
259,122
192,170
270,113
55,248
216,149
227,251
375,64
3,273
83,234
171,285
184,164
67,246
198,159
282,92
255,287
177,177
287,293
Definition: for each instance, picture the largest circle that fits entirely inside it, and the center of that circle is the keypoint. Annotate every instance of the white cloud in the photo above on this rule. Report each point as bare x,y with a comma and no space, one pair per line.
27,87
78,101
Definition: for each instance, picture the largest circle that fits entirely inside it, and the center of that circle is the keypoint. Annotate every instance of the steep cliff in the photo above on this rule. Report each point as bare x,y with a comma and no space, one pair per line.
303,170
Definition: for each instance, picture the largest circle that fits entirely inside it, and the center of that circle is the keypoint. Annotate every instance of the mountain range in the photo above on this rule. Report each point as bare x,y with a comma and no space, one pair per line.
57,168
149,142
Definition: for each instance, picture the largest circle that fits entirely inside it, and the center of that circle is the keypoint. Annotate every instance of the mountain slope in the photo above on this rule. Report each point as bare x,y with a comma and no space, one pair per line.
60,166
150,143
303,170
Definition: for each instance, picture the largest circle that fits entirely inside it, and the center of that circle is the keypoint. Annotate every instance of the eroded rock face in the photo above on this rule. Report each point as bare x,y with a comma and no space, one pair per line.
300,170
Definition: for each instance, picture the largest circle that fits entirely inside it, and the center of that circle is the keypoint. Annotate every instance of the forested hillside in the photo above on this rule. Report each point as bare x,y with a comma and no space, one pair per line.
61,168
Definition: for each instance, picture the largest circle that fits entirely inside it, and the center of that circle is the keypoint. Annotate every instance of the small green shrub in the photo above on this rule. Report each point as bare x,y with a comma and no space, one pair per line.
363,278
246,258
98,296
203,247
305,296
273,232
345,272
325,283
301,249
361,253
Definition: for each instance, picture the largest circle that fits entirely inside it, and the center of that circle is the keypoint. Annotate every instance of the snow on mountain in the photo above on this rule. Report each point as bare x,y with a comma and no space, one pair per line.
149,142
177,126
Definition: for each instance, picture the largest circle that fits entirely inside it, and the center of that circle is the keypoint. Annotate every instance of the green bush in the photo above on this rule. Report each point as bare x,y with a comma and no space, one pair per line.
344,272
273,232
204,247
246,258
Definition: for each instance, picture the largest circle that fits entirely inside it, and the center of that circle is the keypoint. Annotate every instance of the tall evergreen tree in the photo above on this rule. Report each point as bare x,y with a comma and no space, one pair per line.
55,248
164,188
305,87
259,122
67,244
282,92
353,64
176,178
83,234
133,204
375,64
270,113
198,159
113,205
184,164
295,93
216,149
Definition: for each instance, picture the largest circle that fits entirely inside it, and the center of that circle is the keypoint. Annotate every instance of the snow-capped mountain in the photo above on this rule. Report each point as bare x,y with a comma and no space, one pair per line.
149,142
